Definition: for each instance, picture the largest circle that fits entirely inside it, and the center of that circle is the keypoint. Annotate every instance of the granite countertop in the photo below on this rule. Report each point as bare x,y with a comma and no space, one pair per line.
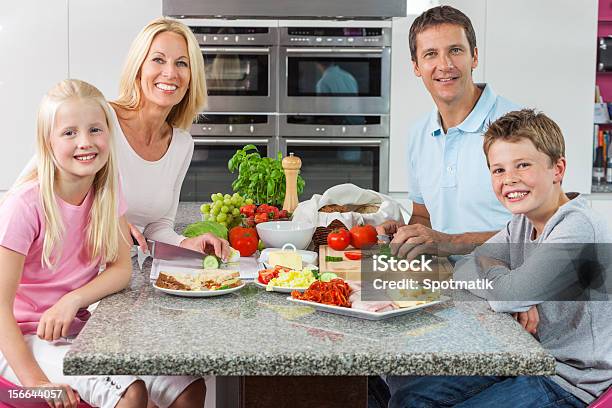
141,331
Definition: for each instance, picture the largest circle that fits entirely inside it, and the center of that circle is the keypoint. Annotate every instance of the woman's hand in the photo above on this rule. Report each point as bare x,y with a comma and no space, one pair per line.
55,322
137,235
529,319
67,399
207,242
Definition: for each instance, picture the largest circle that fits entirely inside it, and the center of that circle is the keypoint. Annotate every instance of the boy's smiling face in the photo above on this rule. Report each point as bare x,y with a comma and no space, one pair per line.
523,178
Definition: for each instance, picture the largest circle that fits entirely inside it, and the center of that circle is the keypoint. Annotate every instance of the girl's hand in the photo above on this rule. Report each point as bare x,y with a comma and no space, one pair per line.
205,242
137,235
68,398
55,322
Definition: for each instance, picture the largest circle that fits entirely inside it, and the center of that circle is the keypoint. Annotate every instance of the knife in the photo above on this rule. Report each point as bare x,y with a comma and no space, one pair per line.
169,252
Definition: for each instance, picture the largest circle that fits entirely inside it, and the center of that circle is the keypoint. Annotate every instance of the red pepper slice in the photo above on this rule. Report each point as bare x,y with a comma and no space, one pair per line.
353,256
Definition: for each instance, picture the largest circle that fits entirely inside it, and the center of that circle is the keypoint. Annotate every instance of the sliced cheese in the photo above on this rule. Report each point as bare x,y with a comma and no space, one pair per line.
288,259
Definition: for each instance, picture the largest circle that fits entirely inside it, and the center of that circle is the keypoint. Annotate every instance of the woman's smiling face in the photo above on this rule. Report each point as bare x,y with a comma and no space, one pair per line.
165,72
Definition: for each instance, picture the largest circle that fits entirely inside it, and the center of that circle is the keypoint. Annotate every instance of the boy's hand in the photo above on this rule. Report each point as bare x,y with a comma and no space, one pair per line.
529,319
55,322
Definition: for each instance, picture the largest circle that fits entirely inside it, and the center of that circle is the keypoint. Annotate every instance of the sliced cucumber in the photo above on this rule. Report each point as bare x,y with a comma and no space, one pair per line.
327,276
210,262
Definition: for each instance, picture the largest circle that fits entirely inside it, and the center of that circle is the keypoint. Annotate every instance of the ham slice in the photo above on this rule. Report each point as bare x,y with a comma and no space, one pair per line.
377,306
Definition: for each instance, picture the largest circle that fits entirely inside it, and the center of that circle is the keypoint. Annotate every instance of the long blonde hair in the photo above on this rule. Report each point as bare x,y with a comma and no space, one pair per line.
130,92
103,224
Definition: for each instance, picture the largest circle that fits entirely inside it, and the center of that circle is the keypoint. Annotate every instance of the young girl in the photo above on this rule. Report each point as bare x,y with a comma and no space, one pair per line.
58,225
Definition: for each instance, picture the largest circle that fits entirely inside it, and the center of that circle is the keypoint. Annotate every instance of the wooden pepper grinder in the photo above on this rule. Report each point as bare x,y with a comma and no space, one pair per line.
291,167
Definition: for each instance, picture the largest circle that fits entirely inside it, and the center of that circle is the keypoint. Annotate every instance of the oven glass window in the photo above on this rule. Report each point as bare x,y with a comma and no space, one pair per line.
326,166
236,74
329,76
208,172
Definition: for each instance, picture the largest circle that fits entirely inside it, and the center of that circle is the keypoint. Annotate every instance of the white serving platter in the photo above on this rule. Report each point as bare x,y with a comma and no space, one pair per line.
199,293
363,314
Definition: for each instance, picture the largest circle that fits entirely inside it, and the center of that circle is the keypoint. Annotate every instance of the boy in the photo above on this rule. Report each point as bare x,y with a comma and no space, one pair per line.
525,154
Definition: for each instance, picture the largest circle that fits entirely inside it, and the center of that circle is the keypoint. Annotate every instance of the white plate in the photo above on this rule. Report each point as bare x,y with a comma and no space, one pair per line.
281,289
199,293
363,314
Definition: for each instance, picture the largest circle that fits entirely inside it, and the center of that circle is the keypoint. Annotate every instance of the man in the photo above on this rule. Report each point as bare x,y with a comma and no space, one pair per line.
454,207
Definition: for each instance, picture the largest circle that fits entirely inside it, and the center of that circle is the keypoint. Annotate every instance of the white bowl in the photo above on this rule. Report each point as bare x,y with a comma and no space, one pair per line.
275,234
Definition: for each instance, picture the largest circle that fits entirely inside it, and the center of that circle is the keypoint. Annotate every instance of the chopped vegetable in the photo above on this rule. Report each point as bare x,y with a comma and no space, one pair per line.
333,258
353,255
327,276
292,279
210,262
336,292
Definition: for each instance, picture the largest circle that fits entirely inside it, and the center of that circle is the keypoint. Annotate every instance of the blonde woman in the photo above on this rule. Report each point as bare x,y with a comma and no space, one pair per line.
161,90
58,225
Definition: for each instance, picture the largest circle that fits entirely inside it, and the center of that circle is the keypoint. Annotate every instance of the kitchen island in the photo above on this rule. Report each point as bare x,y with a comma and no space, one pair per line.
256,333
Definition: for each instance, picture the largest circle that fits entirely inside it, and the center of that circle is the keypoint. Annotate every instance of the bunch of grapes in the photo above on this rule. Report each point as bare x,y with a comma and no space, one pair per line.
224,209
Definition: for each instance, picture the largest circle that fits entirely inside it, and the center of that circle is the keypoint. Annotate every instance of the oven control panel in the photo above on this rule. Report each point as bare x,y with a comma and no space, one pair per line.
336,36
235,35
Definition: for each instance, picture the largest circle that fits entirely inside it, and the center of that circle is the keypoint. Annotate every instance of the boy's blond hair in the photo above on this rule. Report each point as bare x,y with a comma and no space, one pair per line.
103,228
541,130
130,92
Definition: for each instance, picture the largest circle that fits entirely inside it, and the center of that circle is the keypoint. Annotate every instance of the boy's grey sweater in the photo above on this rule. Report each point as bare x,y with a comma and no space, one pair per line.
579,332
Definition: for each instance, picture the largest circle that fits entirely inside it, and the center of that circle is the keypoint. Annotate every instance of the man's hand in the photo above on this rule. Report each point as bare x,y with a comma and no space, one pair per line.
529,319
55,322
413,240
389,227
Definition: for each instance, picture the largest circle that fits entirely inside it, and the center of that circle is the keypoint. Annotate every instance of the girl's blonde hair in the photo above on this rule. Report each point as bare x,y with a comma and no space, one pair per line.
130,92
103,225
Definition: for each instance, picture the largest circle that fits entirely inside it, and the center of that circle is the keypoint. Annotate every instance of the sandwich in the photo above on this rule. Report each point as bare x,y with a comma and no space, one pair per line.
207,279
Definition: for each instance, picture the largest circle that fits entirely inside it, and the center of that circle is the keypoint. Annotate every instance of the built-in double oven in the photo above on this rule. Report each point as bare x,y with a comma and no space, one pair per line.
321,93
241,67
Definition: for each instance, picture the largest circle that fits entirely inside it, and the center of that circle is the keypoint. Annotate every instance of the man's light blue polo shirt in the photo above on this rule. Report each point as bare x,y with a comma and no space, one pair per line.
448,172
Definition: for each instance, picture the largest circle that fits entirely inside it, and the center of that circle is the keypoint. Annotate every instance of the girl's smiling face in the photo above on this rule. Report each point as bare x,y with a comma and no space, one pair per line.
524,179
80,139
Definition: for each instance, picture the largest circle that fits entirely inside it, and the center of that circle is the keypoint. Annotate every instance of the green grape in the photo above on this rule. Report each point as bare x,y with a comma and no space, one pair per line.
227,201
224,210
248,201
237,195
215,210
229,218
204,208
235,212
221,217
218,204
227,197
235,201
213,196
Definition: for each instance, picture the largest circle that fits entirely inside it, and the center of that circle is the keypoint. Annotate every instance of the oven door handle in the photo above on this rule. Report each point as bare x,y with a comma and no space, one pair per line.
347,50
335,142
228,141
236,50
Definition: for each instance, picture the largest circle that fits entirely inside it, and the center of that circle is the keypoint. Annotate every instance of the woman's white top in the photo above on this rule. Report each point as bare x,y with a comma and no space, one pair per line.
152,188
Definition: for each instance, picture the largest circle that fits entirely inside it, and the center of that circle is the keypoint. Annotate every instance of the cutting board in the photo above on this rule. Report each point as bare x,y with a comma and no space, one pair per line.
346,269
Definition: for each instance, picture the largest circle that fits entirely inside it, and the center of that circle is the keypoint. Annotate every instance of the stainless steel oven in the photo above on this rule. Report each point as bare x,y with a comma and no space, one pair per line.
335,70
241,67
217,137
338,149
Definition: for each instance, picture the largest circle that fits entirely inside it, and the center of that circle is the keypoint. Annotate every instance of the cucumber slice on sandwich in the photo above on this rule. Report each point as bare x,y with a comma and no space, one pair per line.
210,262
327,276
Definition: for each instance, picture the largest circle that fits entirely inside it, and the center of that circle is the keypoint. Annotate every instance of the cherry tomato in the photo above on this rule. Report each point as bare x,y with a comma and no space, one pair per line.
339,239
363,236
245,240
353,256
261,217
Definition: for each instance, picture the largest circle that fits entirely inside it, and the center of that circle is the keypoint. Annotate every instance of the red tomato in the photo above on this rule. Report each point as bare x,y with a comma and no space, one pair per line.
339,239
266,274
245,240
353,256
363,236
248,210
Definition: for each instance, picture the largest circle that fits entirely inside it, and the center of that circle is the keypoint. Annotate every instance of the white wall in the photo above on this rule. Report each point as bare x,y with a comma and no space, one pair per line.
539,54
33,56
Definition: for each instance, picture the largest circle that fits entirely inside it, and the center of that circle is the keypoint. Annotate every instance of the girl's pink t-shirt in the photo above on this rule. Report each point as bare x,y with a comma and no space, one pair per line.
22,229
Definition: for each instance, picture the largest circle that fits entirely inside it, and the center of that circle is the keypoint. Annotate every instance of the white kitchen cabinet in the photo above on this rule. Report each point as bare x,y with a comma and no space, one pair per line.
541,54
100,35
34,57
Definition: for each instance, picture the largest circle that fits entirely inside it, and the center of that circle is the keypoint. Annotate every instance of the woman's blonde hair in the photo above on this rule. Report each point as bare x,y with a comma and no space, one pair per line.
103,226
130,92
